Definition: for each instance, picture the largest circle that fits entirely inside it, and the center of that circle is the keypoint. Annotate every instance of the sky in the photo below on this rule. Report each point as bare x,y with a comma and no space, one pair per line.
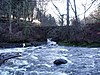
61,4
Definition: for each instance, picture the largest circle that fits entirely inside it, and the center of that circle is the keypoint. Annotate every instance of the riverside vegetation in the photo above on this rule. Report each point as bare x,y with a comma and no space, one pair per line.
87,36
18,24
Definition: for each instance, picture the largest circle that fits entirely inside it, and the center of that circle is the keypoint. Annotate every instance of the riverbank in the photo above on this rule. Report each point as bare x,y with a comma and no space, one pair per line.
33,36
80,44
74,44
21,34
15,45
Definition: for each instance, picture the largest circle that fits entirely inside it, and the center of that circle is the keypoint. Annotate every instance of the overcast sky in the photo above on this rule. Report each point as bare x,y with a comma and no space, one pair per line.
61,4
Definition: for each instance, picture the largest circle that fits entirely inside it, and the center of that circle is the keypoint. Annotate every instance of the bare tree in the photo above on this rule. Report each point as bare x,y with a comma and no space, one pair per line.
41,5
75,13
84,5
95,15
88,6
60,16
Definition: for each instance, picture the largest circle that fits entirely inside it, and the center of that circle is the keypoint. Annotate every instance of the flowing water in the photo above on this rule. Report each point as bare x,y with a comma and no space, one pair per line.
39,60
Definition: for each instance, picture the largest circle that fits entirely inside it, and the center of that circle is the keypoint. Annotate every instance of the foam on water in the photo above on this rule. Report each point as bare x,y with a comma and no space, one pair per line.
12,50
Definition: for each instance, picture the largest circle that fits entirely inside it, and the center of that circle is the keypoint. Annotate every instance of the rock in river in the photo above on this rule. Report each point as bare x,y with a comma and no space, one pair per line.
60,61
9,55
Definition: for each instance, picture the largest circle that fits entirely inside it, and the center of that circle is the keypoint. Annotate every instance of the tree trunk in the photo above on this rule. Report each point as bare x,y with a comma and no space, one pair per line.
18,15
76,22
75,13
68,33
10,25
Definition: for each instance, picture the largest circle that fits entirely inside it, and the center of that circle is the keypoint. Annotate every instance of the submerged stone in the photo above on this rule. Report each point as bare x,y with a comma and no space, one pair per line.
60,61
9,55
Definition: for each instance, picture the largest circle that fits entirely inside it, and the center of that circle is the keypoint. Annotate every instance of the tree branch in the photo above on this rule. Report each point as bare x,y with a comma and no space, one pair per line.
88,7
56,7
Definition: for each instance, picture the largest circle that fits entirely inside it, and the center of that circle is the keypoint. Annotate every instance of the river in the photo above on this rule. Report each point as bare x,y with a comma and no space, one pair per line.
39,60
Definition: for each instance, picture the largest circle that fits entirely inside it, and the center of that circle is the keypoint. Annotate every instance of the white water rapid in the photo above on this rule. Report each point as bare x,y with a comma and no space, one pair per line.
39,60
